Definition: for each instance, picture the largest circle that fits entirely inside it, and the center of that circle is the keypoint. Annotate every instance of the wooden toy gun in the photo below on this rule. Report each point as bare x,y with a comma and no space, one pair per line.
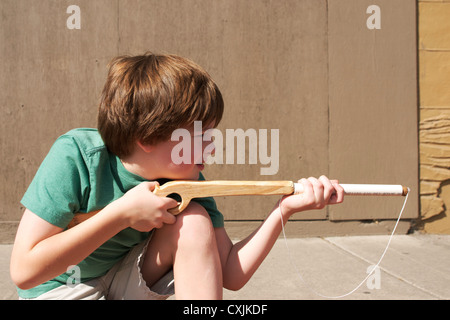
189,190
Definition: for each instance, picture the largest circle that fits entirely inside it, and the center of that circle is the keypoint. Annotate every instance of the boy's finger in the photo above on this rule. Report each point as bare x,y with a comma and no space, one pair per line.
152,184
168,218
169,203
328,188
318,190
307,186
338,197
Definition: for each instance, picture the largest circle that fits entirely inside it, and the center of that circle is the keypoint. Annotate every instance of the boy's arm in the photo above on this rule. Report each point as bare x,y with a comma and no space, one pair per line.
43,251
241,260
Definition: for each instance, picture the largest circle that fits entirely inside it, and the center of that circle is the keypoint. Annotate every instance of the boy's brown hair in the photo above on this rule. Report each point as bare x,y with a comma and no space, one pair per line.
147,97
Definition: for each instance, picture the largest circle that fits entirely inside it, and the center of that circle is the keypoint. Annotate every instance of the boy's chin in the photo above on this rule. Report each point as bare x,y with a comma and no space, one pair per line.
191,173
191,176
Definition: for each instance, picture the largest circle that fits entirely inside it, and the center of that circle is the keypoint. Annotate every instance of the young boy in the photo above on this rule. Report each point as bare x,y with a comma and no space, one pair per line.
134,248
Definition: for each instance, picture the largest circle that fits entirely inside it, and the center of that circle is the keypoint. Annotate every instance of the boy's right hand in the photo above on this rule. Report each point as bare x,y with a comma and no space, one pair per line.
144,210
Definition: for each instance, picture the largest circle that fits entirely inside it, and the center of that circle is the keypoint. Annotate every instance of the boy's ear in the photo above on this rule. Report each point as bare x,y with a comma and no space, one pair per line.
145,147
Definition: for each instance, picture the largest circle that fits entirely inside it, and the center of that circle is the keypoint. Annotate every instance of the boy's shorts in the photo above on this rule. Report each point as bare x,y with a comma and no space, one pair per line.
123,282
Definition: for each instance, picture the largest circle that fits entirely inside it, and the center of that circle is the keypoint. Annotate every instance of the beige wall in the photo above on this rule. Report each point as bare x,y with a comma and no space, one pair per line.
434,66
343,97
373,103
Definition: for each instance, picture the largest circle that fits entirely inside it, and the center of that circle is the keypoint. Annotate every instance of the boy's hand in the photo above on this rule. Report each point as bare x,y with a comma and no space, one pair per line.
144,210
317,193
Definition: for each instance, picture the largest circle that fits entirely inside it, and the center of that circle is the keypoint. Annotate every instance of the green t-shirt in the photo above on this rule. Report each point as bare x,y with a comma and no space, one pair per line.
79,174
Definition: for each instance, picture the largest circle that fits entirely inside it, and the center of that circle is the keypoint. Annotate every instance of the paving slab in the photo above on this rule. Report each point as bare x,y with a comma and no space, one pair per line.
422,262
313,268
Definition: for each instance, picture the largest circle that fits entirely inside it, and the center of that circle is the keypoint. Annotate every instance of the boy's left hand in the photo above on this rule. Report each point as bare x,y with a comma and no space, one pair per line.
317,193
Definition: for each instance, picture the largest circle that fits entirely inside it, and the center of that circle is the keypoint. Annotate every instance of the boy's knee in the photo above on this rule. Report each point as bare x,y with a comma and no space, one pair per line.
193,228
194,224
194,209
193,217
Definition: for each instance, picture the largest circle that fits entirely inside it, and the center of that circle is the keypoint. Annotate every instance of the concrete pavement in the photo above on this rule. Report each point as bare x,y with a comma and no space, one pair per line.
415,267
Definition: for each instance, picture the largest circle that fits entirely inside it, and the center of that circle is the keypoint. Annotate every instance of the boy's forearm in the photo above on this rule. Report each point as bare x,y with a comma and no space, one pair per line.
246,256
52,256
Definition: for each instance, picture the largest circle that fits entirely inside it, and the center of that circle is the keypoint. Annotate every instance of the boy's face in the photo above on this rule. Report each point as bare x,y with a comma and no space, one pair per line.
162,163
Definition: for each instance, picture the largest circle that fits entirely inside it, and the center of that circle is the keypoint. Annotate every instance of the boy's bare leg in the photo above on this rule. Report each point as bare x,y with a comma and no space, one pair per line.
189,247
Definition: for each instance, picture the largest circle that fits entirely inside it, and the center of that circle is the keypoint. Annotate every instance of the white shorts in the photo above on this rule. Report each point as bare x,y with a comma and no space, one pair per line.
123,282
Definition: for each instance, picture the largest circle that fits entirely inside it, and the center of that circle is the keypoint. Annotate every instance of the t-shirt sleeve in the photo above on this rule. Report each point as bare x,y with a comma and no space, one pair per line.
210,205
57,190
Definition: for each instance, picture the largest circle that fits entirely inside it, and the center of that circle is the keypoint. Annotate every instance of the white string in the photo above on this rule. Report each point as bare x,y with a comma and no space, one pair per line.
365,279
